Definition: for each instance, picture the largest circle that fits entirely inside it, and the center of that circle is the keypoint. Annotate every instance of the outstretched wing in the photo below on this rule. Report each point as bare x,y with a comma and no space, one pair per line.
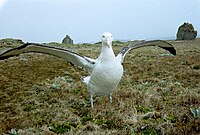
160,43
76,59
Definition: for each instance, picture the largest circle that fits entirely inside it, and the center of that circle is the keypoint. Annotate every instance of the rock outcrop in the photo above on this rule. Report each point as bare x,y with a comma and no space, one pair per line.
186,32
67,40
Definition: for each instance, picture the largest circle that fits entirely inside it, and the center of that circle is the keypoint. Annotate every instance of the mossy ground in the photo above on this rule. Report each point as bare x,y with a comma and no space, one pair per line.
42,94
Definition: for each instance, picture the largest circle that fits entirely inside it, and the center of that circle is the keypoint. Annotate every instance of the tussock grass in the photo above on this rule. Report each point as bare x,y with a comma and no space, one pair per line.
41,94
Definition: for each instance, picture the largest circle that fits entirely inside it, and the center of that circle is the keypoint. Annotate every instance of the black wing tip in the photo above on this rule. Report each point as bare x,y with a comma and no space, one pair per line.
2,57
6,57
170,49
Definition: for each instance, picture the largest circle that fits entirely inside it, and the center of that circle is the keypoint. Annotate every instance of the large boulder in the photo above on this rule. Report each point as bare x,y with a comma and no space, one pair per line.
186,32
67,40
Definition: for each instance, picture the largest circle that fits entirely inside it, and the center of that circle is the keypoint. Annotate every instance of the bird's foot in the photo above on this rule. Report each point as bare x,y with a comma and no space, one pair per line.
91,101
110,98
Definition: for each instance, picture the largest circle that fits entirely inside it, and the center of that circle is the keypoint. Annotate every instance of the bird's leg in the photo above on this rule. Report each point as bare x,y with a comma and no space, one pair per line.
91,100
110,97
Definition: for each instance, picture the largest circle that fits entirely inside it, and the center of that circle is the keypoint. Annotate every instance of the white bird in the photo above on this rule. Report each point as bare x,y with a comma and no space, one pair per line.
105,72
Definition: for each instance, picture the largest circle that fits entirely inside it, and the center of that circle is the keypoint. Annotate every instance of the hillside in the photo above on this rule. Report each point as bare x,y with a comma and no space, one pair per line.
44,94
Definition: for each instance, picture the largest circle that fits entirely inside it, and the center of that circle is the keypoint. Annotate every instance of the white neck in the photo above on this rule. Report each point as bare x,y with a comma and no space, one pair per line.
106,52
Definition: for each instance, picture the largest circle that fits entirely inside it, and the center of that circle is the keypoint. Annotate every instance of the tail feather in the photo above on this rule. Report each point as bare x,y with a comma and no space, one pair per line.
86,80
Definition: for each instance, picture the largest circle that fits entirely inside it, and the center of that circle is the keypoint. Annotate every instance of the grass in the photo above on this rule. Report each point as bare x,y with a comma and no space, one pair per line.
159,94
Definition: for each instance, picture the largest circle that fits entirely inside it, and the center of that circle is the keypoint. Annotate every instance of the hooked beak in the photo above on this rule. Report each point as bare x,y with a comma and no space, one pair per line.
109,43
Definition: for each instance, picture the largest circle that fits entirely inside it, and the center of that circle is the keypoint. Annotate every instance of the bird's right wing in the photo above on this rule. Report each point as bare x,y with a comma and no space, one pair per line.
72,57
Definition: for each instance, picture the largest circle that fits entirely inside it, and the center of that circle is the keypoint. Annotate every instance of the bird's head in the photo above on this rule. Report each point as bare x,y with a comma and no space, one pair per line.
107,39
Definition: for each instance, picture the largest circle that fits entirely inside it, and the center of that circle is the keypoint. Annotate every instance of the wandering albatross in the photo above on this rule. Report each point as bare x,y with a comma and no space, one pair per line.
105,72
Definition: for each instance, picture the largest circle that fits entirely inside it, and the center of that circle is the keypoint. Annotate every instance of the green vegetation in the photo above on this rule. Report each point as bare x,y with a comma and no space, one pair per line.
159,93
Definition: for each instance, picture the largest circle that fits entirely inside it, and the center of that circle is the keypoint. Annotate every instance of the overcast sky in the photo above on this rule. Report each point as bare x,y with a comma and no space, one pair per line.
85,20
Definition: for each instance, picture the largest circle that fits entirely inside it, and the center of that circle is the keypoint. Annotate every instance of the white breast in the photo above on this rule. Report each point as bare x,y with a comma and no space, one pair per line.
105,77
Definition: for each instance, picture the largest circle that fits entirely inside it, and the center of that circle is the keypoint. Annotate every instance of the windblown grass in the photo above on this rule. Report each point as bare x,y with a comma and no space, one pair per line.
42,94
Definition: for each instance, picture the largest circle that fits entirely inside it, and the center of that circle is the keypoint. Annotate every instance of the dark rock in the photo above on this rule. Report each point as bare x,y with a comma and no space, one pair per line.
67,40
186,32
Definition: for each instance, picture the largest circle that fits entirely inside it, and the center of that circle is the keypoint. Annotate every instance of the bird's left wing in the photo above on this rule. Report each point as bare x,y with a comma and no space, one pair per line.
160,43
72,57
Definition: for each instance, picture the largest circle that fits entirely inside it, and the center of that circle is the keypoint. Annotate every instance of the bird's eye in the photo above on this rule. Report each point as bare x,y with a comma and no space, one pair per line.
103,36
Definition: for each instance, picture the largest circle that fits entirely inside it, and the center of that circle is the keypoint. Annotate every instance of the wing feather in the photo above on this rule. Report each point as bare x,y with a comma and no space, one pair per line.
160,43
72,57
